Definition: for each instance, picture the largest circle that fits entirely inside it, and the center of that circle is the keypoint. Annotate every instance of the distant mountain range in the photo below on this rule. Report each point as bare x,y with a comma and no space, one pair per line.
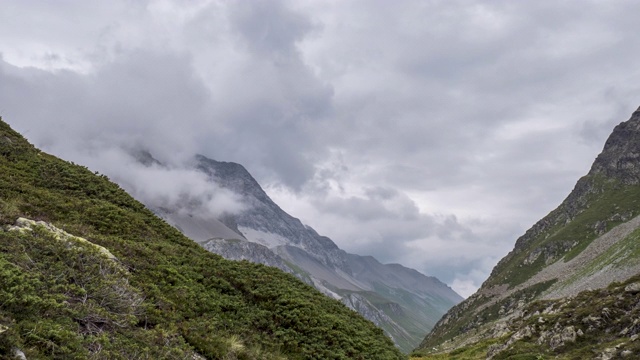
402,301
570,286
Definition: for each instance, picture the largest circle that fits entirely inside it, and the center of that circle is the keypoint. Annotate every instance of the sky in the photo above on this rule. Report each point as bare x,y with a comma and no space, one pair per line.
427,133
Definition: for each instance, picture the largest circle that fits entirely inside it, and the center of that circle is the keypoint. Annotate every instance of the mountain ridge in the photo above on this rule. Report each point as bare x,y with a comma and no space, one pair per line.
588,242
318,261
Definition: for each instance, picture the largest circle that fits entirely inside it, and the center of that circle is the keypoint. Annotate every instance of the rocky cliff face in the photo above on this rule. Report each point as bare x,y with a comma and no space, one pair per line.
266,223
236,249
588,242
620,158
405,303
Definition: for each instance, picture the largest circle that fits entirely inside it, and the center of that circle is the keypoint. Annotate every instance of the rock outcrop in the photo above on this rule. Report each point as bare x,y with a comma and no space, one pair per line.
236,249
23,224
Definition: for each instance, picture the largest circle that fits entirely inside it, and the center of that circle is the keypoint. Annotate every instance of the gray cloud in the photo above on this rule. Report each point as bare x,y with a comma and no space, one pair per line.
430,134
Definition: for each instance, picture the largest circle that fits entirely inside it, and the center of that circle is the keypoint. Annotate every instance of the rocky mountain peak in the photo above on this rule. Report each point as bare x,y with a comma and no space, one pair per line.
620,156
232,176
588,242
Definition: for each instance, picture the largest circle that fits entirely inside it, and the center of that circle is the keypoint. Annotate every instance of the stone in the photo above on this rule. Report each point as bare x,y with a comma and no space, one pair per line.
632,288
25,225
568,335
608,354
522,333
18,354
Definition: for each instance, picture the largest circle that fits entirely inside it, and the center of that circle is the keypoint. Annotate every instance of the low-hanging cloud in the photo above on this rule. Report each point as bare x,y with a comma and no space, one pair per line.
167,188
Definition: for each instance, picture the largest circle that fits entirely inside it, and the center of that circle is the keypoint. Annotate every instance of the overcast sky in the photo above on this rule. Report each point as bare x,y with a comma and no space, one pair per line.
427,133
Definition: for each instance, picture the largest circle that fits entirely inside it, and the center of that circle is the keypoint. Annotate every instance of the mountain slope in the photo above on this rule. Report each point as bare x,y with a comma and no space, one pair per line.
588,242
102,277
405,303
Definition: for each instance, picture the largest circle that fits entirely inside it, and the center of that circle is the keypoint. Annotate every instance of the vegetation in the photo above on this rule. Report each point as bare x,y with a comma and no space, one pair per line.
163,297
471,352
605,324
608,203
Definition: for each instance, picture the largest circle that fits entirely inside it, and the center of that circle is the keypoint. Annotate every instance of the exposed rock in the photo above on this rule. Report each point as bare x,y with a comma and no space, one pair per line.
360,304
236,249
620,158
261,211
500,329
18,354
608,354
23,224
568,335
633,288
5,140
525,332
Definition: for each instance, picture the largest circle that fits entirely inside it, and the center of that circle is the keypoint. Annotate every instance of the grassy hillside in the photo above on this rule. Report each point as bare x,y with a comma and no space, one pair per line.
161,297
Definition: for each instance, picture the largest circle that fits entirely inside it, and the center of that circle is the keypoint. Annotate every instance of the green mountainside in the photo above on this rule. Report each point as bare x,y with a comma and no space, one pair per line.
87,272
591,241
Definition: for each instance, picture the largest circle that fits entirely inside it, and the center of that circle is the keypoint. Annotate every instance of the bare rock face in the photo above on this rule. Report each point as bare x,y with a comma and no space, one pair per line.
633,288
23,224
265,219
363,306
236,249
565,336
620,158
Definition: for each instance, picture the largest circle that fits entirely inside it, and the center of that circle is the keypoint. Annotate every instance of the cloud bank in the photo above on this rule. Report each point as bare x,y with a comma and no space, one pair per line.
430,134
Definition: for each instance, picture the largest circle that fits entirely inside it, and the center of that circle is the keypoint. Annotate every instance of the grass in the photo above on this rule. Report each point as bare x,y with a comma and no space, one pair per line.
472,352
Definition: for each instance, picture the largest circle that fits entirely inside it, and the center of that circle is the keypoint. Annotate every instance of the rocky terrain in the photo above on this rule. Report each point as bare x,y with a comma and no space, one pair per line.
590,242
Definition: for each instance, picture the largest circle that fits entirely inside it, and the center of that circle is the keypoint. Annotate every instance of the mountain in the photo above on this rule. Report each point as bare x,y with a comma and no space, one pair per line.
569,287
87,272
402,301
